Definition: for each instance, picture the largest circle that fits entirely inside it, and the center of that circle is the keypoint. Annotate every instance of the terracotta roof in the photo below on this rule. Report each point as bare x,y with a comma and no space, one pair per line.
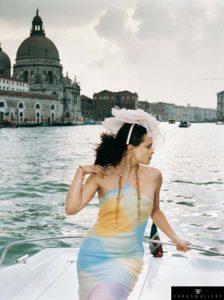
85,98
112,93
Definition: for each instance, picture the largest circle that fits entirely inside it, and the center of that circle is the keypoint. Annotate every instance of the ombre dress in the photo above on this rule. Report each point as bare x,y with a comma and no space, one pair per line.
111,257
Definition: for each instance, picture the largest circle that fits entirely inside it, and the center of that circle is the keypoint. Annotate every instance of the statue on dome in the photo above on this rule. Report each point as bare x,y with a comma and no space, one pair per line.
32,78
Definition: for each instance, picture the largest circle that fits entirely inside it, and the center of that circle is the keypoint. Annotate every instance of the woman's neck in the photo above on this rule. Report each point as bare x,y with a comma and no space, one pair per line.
123,167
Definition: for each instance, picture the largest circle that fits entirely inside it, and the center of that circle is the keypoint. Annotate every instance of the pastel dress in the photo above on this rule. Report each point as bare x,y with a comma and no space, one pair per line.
110,258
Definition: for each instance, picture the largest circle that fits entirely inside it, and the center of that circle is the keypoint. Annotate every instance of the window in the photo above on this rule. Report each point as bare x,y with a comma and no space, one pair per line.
25,76
2,104
52,107
50,77
37,106
21,105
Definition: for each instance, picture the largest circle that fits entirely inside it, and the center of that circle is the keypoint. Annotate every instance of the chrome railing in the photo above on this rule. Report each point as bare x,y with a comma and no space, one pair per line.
146,239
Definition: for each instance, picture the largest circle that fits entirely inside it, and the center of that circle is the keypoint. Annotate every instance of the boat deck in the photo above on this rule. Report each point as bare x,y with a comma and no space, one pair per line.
51,275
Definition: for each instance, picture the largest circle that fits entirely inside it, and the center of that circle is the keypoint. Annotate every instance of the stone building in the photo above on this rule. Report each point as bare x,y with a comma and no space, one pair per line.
28,108
220,107
166,111
88,108
105,100
38,65
10,84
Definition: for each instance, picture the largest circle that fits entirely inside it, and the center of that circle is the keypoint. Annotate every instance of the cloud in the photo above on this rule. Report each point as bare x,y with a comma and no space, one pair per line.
159,48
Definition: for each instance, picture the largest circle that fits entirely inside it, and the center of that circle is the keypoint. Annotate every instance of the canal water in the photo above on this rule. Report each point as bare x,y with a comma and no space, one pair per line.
37,166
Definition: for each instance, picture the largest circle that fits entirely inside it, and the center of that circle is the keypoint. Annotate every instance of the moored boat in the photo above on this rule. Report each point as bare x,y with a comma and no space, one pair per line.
219,122
184,124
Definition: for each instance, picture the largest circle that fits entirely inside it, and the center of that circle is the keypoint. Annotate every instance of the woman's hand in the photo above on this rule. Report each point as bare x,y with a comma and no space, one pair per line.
97,169
182,245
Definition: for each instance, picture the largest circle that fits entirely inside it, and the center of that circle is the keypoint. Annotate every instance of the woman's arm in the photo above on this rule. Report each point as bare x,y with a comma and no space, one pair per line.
161,221
79,195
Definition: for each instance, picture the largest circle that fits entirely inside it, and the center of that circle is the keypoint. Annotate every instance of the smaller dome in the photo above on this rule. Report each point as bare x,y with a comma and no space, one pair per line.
5,63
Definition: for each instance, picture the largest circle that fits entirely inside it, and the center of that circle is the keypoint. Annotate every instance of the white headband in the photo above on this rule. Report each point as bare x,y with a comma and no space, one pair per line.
134,116
129,134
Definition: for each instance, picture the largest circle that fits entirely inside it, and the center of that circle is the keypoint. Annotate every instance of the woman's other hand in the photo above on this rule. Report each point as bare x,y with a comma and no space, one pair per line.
182,245
97,169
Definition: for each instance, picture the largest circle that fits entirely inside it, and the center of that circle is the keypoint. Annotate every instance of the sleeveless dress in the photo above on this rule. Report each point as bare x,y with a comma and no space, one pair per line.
110,258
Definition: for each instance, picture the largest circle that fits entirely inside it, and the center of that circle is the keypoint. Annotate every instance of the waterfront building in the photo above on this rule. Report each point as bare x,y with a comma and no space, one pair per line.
88,108
220,107
165,111
105,100
38,67
144,105
28,108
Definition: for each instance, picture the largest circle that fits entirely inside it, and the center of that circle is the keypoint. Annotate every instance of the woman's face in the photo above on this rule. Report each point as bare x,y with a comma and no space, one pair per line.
143,153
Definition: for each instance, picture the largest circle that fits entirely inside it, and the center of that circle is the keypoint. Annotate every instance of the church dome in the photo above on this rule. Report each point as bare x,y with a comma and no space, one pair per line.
37,45
5,63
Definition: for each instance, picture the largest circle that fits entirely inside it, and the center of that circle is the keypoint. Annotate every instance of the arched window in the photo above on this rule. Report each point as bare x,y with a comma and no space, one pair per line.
37,106
52,107
21,105
2,104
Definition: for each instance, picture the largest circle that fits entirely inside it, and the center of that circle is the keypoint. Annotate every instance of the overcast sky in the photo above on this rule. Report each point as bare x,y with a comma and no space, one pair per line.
165,50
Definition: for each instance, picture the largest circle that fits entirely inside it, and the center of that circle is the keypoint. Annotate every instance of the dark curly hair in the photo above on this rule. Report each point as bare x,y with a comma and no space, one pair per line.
113,147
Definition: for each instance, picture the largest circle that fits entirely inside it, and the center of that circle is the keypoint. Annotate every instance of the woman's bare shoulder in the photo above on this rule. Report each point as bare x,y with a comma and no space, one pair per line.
151,170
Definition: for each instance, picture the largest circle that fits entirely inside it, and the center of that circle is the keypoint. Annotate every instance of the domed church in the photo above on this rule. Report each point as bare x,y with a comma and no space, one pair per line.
5,63
38,65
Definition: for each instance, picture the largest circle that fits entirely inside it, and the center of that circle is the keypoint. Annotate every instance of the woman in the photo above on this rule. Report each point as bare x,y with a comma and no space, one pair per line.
111,255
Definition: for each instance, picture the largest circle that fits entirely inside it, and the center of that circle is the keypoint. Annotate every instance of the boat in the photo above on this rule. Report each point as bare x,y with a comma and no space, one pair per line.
171,121
90,122
184,124
51,273
219,122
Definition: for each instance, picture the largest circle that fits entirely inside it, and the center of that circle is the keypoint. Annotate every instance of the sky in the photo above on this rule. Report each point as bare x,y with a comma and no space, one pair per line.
165,50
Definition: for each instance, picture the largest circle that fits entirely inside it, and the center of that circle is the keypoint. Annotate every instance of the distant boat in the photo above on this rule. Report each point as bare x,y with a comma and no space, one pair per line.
172,121
90,122
184,124
219,122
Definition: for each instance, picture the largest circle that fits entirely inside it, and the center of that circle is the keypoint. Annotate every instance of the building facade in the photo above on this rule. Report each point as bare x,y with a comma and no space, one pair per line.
28,108
105,100
220,106
166,111
8,83
88,108
38,71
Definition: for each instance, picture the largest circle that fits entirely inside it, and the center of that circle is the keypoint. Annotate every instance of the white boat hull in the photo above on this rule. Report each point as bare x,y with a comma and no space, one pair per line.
51,275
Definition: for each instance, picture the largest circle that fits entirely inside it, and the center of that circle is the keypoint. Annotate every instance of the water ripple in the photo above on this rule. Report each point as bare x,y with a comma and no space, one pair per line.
37,167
